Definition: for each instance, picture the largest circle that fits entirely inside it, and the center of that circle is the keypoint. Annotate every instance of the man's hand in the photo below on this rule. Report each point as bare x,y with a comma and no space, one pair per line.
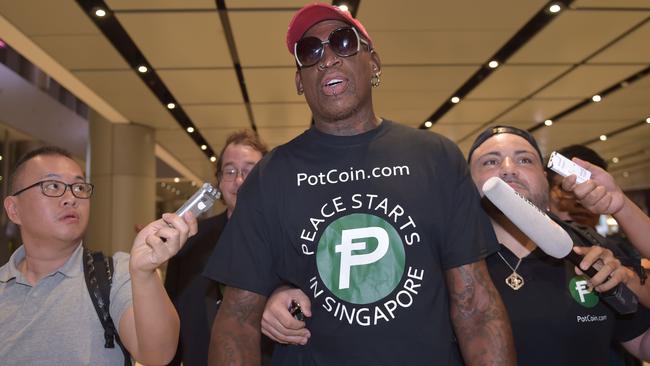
159,241
610,271
278,324
600,194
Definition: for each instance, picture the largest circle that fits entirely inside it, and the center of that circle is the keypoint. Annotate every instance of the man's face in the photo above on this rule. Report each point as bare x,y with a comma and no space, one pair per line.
566,207
337,87
45,219
241,158
514,160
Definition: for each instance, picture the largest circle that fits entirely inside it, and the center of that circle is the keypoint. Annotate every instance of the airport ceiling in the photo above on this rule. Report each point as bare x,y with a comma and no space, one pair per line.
225,66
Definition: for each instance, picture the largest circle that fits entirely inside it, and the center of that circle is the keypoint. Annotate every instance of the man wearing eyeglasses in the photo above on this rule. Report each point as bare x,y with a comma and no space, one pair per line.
196,297
47,316
378,223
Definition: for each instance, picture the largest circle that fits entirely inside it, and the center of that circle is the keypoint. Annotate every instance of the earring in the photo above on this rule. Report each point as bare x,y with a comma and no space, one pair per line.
375,80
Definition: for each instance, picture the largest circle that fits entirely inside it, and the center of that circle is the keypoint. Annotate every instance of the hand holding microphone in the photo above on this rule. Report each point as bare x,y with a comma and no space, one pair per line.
551,238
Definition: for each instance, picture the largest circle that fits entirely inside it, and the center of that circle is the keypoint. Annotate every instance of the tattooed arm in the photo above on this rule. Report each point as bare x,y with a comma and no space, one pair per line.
236,330
479,317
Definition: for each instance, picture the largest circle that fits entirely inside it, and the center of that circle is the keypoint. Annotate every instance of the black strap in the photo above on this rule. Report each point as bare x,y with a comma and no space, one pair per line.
98,272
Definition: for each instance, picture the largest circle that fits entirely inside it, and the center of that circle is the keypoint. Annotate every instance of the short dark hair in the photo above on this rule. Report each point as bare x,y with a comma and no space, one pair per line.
243,137
581,152
41,151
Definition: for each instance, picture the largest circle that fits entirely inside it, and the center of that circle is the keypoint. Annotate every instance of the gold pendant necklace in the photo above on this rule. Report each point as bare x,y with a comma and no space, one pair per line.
515,281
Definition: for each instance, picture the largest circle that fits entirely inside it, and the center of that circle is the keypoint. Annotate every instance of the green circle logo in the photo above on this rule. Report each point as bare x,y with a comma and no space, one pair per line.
582,293
360,258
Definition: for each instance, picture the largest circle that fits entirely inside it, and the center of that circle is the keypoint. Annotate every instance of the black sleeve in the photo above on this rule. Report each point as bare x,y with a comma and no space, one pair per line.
469,235
171,278
631,326
244,257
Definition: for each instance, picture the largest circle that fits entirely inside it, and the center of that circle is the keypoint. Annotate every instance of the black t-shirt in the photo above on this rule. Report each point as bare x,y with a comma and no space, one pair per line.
556,319
366,225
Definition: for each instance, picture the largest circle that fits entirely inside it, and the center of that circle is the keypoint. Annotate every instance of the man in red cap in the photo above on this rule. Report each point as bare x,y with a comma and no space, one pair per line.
378,223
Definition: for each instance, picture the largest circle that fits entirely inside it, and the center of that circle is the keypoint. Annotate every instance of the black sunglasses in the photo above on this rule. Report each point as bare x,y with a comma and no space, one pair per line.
345,42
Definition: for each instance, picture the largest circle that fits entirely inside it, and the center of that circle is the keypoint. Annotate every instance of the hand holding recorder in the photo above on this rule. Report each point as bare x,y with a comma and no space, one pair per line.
550,237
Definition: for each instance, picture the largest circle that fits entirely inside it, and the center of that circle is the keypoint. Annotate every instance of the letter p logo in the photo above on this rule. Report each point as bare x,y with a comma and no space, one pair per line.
347,246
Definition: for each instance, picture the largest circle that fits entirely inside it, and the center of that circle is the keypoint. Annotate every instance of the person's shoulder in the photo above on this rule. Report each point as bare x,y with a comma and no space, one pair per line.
418,135
433,142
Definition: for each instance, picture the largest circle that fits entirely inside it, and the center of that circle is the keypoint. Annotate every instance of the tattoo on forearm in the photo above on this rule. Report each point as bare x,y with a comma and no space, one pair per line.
236,330
479,317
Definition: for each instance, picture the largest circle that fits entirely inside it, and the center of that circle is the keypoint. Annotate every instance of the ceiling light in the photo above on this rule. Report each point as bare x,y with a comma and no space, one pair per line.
171,105
596,98
455,100
493,64
190,129
548,122
647,120
626,174
615,160
178,193
1,155
177,179
162,184
204,147
555,8
100,13
428,124
142,69
603,137
344,7
213,158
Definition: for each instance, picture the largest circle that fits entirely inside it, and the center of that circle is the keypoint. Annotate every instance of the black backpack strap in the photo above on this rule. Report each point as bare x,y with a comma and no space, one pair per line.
98,272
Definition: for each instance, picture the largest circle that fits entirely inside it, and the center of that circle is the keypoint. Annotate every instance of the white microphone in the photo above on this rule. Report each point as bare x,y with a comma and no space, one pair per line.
550,237
546,233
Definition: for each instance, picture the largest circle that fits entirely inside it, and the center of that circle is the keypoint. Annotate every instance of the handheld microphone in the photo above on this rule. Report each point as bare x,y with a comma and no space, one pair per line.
550,237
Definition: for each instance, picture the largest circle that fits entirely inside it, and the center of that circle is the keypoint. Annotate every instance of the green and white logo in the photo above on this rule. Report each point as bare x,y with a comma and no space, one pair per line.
582,293
360,258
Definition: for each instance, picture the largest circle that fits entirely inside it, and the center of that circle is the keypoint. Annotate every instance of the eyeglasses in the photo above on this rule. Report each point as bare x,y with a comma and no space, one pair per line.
345,42
55,188
230,174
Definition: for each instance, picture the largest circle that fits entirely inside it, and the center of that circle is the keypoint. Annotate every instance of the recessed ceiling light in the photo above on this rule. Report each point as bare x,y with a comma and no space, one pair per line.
142,69
455,100
213,159
626,174
177,179
596,98
204,147
603,137
555,8
344,7
428,124
493,64
548,122
171,105
615,160
1,155
647,120
100,13
190,129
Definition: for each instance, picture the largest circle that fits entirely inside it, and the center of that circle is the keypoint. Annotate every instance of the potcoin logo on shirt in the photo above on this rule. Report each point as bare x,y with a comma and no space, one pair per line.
360,258
361,243
582,293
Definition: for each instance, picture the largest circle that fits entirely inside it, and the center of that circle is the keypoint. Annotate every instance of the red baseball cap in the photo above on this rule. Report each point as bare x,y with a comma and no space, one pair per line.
311,14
